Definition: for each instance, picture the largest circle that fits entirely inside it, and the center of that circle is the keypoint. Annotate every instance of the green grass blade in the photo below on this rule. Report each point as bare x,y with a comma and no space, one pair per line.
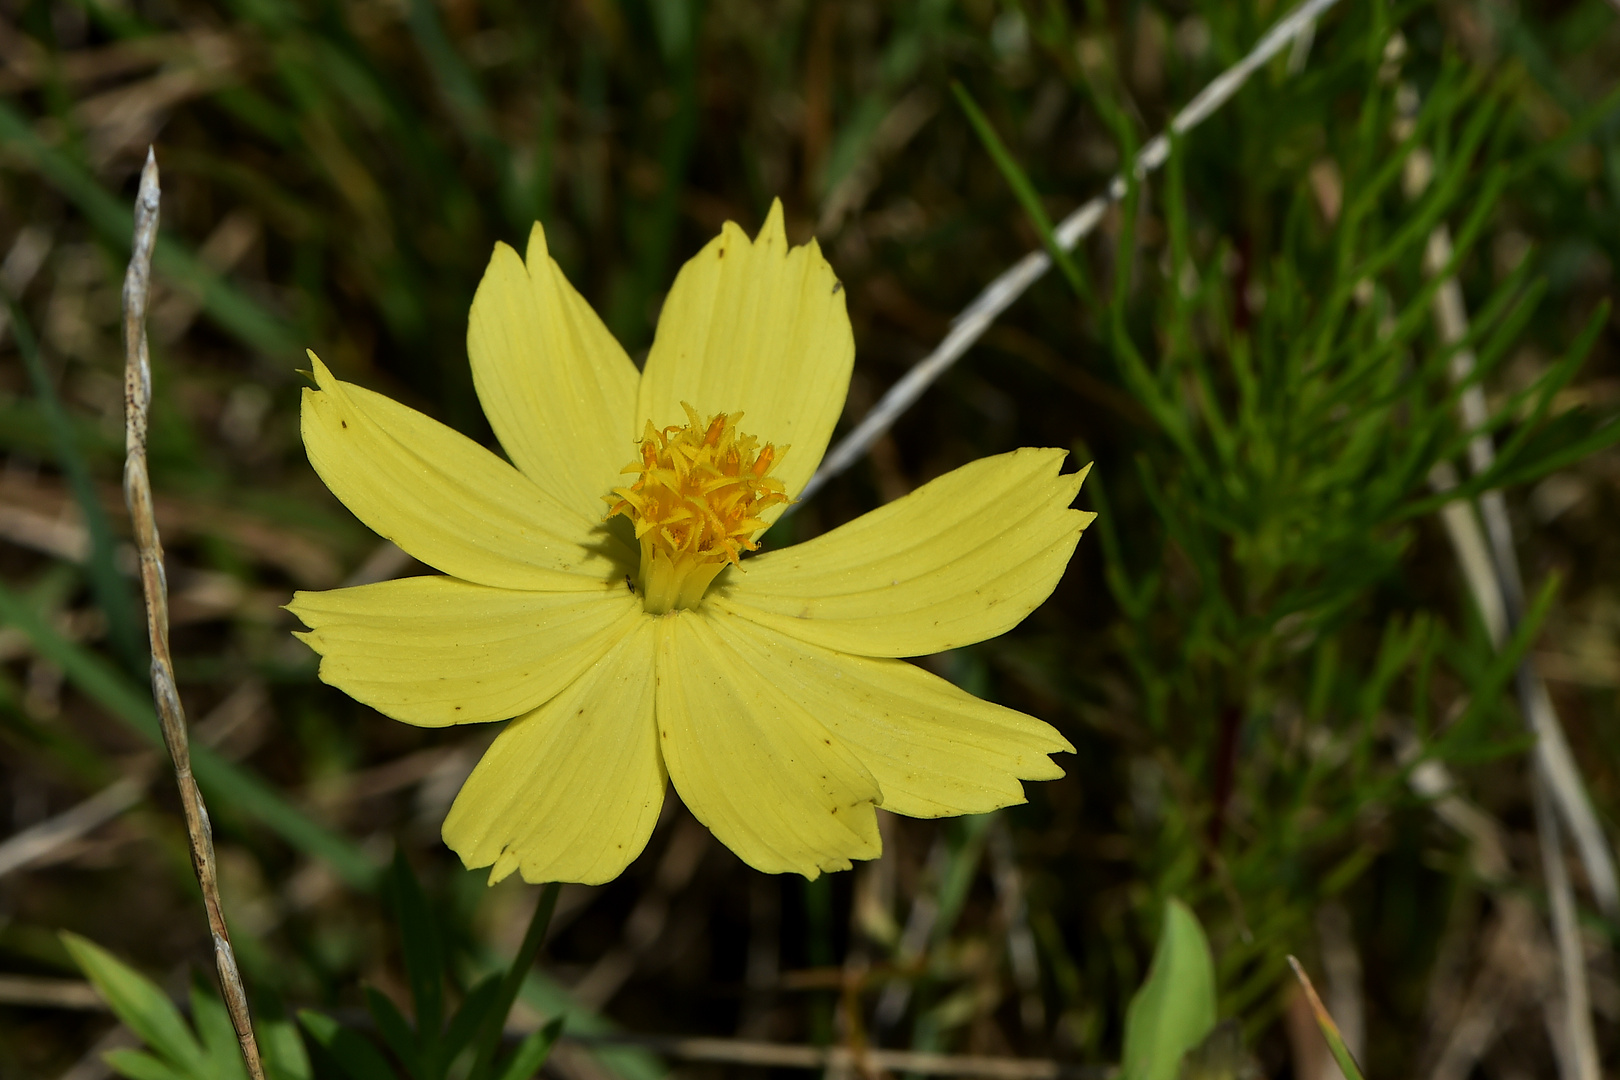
469,1018
138,1066
1330,1030
115,221
551,999
457,84
213,1023
532,1052
349,1050
1018,180
113,593
396,1032
424,957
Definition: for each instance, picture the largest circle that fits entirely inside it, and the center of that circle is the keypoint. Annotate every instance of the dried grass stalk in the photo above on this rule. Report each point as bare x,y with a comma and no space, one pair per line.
1556,782
154,586
972,321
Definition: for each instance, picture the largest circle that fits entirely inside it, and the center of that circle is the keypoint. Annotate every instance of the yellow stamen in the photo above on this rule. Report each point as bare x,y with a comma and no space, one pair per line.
696,504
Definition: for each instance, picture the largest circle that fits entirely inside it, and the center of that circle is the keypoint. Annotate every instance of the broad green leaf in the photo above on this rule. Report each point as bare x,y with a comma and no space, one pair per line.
1175,1008
283,1048
143,1007
138,1066
213,1023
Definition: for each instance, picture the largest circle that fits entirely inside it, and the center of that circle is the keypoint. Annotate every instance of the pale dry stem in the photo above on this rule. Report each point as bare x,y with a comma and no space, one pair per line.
154,586
1492,568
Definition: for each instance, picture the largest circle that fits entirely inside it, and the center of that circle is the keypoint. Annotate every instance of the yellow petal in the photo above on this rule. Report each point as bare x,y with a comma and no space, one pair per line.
436,651
448,501
963,558
935,750
571,791
756,327
557,388
763,774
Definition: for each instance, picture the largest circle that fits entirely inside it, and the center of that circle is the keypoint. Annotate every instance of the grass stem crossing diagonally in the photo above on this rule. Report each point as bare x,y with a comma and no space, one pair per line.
996,297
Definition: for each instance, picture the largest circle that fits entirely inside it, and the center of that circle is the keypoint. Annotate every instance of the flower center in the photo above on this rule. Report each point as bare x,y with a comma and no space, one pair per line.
696,504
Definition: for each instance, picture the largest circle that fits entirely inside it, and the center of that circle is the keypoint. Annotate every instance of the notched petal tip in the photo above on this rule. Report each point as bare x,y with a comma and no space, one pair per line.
760,327
556,386
537,248
504,260
499,870
774,231
324,379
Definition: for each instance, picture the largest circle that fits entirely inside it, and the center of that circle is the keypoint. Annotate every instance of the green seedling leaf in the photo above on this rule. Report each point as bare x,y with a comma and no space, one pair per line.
143,1007
532,1052
1330,1030
1175,1008
283,1049
349,1050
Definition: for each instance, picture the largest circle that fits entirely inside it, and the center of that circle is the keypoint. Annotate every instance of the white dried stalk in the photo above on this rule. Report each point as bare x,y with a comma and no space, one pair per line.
154,585
1555,780
975,319
1579,1060
1553,754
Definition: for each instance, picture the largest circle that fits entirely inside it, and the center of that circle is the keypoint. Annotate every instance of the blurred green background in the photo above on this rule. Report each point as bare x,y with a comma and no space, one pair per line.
1263,638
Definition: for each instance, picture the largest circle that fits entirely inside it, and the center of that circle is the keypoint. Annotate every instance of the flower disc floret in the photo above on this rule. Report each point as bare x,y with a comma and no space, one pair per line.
696,502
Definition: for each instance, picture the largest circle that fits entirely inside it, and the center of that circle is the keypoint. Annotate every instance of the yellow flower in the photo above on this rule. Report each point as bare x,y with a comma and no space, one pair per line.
608,606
